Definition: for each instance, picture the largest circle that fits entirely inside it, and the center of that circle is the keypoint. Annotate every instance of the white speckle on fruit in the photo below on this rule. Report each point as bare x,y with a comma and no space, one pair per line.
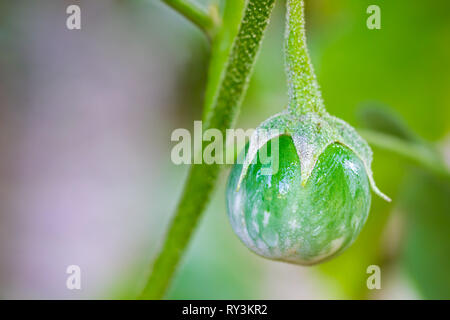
266,218
336,244
237,205
351,166
254,211
316,231
255,226
293,224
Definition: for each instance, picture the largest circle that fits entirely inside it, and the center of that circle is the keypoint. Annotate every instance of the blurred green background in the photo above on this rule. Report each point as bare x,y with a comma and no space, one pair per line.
85,172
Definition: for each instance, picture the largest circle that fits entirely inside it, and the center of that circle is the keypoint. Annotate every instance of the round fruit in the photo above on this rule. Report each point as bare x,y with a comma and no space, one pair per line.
279,218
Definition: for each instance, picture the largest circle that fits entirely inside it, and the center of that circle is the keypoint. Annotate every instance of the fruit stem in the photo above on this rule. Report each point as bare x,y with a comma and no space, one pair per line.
304,91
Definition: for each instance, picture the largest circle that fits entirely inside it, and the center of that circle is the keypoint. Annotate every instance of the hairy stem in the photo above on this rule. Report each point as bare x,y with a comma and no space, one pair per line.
202,178
221,50
304,91
203,19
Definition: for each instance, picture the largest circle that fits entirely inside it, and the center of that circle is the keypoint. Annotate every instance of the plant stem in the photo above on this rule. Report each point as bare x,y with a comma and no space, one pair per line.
221,50
304,91
202,178
197,15
417,153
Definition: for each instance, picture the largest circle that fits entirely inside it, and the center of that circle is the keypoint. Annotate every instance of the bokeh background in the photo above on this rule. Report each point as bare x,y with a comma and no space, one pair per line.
85,171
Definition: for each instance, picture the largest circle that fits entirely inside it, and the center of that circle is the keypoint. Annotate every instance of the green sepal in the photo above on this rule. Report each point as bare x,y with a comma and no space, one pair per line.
312,134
